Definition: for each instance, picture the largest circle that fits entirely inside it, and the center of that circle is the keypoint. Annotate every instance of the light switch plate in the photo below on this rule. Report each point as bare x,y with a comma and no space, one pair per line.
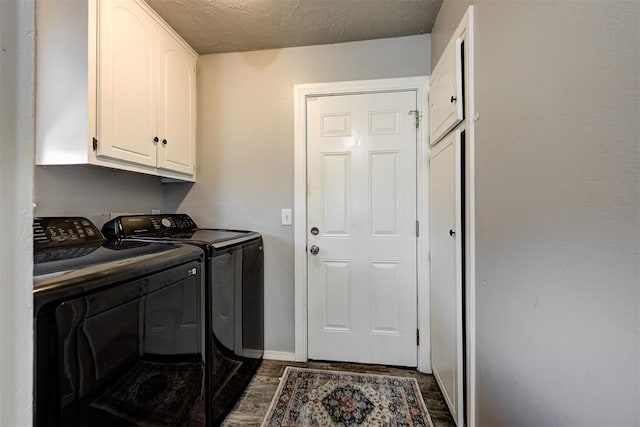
286,216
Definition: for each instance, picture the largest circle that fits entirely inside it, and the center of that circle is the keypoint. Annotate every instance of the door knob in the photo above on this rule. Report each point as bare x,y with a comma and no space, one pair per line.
314,249
451,232
164,142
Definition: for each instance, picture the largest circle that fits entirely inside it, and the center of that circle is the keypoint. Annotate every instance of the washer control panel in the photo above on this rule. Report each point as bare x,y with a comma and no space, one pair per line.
147,225
64,231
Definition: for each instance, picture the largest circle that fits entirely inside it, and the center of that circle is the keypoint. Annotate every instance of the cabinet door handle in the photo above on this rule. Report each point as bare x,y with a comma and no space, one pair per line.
164,142
155,139
453,99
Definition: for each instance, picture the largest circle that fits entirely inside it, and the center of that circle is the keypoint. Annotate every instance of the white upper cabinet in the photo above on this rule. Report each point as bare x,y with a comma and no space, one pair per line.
446,104
131,88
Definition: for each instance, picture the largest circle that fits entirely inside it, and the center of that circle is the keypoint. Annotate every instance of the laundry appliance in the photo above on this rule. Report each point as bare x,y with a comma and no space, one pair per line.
118,329
234,291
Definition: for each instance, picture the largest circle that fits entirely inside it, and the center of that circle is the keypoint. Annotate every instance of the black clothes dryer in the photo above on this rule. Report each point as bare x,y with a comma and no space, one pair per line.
118,329
234,276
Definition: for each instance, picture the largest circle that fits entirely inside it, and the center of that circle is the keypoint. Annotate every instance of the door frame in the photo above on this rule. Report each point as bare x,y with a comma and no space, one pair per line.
300,94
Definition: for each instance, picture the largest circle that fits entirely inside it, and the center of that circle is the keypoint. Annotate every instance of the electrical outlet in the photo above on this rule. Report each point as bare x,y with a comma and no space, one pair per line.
286,216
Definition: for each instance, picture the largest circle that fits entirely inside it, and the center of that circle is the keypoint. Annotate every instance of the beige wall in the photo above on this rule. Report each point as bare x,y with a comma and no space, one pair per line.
245,146
558,210
16,180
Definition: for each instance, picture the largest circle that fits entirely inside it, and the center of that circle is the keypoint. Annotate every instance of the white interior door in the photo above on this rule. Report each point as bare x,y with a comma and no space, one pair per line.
446,270
361,204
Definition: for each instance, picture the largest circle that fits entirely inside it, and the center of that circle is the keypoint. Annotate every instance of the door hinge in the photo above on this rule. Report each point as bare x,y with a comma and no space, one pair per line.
417,228
417,336
416,113
95,144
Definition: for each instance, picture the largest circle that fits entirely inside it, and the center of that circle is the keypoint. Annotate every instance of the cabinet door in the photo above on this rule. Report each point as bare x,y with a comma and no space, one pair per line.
126,116
176,107
445,93
445,195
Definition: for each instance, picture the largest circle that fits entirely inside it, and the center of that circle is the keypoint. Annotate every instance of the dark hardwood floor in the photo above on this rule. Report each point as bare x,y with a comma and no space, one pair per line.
254,403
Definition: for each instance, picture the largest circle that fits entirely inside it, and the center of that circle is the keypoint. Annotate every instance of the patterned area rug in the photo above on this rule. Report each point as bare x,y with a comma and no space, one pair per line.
311,397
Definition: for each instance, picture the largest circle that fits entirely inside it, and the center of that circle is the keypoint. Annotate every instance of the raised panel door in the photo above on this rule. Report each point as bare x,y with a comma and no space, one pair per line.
176,107
445,92
361,154
446,269
126,119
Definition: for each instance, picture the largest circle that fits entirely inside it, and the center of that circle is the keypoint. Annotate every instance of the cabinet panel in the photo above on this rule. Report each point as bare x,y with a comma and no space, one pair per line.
445,229
126,83
176,107
445,93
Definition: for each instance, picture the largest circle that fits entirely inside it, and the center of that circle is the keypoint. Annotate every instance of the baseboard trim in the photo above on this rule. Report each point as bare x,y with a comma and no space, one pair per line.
279,355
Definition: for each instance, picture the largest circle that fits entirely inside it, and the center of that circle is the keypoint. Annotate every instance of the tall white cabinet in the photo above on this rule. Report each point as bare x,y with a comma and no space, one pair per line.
123,96
449,128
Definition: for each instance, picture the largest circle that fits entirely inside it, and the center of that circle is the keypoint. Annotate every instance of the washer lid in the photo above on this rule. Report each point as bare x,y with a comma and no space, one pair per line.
56,278
223,238
73,258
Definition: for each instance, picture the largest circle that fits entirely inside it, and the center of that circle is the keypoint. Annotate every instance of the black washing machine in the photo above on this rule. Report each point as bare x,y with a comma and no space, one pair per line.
118,329
234,276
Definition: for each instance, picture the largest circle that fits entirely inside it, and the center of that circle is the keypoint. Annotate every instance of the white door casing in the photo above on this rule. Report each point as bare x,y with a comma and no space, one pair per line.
446,270
361,177
300,94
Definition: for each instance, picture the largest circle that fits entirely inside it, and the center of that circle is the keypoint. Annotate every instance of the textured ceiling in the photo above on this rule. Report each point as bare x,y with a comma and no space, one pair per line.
215,26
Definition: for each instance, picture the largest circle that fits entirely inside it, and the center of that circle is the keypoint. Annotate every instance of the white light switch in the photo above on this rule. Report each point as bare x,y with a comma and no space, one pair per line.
286,216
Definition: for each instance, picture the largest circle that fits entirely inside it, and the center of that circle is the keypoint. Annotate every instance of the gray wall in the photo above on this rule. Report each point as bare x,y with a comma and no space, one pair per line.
246,146
17,86
94,192
558,210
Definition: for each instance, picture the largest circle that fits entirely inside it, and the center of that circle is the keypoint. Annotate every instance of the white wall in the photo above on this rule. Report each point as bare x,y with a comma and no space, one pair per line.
557,209
246,145
16,166
94,192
